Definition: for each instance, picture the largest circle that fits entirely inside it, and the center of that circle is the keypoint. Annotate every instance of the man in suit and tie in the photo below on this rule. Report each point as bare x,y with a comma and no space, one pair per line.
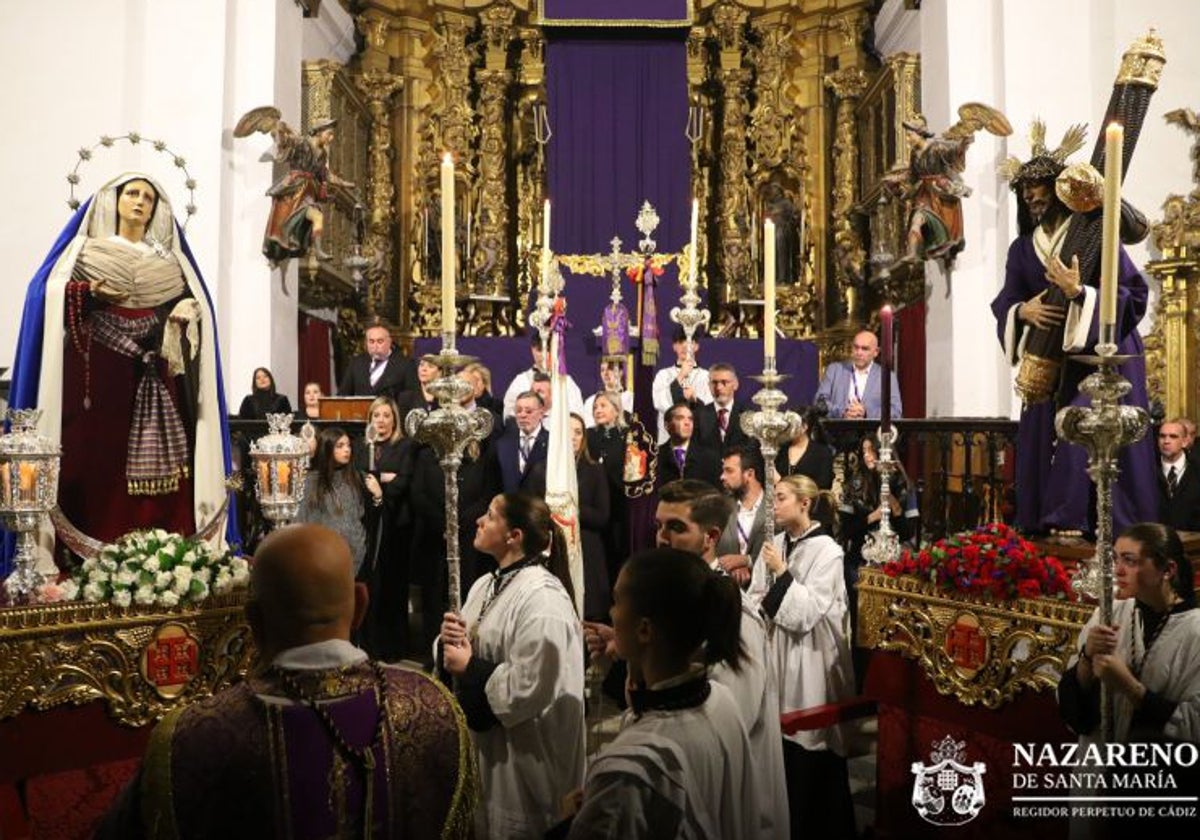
381,371
853,389
741,476
719,424
682,456
521,449
1179,479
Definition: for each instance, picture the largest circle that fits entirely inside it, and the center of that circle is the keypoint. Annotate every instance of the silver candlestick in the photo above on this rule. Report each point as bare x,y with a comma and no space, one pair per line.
448,429
883,546
772,427
1103,429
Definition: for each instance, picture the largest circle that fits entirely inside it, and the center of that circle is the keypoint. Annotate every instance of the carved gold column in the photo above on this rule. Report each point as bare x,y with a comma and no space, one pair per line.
529,158
849,256
729,21
447,125
778,160
700,120
1172,375
378,88
488,278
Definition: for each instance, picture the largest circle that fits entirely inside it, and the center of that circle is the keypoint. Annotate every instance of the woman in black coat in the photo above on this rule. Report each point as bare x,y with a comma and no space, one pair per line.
805,456
606,444
262,399
388,455
478,484
594,521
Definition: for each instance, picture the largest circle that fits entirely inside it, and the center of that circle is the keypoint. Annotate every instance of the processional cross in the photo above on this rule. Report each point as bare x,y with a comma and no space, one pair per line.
642,266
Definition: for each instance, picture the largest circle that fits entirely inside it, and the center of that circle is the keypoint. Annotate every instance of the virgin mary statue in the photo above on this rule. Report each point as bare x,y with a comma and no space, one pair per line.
118,347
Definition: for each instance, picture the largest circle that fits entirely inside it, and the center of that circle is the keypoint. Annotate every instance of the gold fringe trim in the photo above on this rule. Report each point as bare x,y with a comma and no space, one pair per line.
161,486
460,819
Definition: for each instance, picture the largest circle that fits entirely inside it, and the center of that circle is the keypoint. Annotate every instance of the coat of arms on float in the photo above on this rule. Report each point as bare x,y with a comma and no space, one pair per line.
947,791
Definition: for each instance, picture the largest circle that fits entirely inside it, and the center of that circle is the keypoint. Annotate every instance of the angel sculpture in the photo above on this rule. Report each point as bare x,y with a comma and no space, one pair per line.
1188,120
296,223
933,183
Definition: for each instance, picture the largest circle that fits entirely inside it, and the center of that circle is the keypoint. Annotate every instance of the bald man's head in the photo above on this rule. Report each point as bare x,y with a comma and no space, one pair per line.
864,349
303,590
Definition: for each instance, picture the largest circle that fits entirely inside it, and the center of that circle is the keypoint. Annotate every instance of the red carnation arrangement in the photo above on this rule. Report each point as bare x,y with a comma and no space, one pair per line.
993,561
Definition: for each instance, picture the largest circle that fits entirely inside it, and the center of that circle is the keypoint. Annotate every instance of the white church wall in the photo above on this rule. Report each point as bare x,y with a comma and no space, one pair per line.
177,70
1030,58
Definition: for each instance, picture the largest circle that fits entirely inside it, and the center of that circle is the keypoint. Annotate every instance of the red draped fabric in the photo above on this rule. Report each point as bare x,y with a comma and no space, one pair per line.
316,365
913,715
911,358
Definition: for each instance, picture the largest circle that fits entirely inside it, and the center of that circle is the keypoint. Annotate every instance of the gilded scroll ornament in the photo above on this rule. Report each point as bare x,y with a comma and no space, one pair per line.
979,652
141,662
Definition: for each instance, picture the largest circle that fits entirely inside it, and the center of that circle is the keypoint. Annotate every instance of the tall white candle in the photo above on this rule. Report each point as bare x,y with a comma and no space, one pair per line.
769,289
449,256
1114,138
546,240
694,265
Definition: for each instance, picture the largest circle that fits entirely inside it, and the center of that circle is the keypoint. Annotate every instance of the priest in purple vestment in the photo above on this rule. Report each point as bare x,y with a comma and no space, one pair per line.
1054,493
320,741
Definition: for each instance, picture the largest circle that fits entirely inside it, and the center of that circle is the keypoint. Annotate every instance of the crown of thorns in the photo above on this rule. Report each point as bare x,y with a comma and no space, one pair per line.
1043,163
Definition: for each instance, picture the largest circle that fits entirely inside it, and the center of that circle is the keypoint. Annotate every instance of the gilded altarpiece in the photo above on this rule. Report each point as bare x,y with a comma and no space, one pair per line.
1172,348
769,136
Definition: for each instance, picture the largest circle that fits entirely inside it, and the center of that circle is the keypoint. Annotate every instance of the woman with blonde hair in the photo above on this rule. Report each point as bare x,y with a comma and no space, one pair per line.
388,456
799,581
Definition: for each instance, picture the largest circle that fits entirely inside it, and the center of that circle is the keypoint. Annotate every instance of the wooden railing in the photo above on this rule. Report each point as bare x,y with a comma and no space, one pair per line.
962,468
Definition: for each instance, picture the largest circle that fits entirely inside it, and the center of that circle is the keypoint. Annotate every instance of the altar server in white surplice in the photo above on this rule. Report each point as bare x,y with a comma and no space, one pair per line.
691,516
517,652
800,583
1149,657
681,766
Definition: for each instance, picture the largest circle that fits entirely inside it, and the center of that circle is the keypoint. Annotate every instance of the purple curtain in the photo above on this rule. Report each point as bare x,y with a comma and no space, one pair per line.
618,111
650,11
506,357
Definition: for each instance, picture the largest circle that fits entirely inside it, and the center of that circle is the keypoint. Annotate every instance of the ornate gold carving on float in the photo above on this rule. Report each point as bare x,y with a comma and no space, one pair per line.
141,662
979,652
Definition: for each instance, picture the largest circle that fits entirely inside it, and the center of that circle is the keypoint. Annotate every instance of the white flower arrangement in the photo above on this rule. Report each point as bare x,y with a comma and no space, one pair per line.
156,568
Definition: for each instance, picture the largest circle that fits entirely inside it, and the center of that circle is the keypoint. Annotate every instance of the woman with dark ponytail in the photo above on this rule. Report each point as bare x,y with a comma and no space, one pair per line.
1149,657
681,766
517,654
802,589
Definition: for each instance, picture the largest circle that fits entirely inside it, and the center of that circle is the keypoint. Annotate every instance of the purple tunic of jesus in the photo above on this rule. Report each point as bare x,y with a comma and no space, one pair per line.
1053,488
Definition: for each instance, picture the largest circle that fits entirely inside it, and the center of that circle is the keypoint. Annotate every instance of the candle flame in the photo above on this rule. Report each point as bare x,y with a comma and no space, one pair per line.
447,159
